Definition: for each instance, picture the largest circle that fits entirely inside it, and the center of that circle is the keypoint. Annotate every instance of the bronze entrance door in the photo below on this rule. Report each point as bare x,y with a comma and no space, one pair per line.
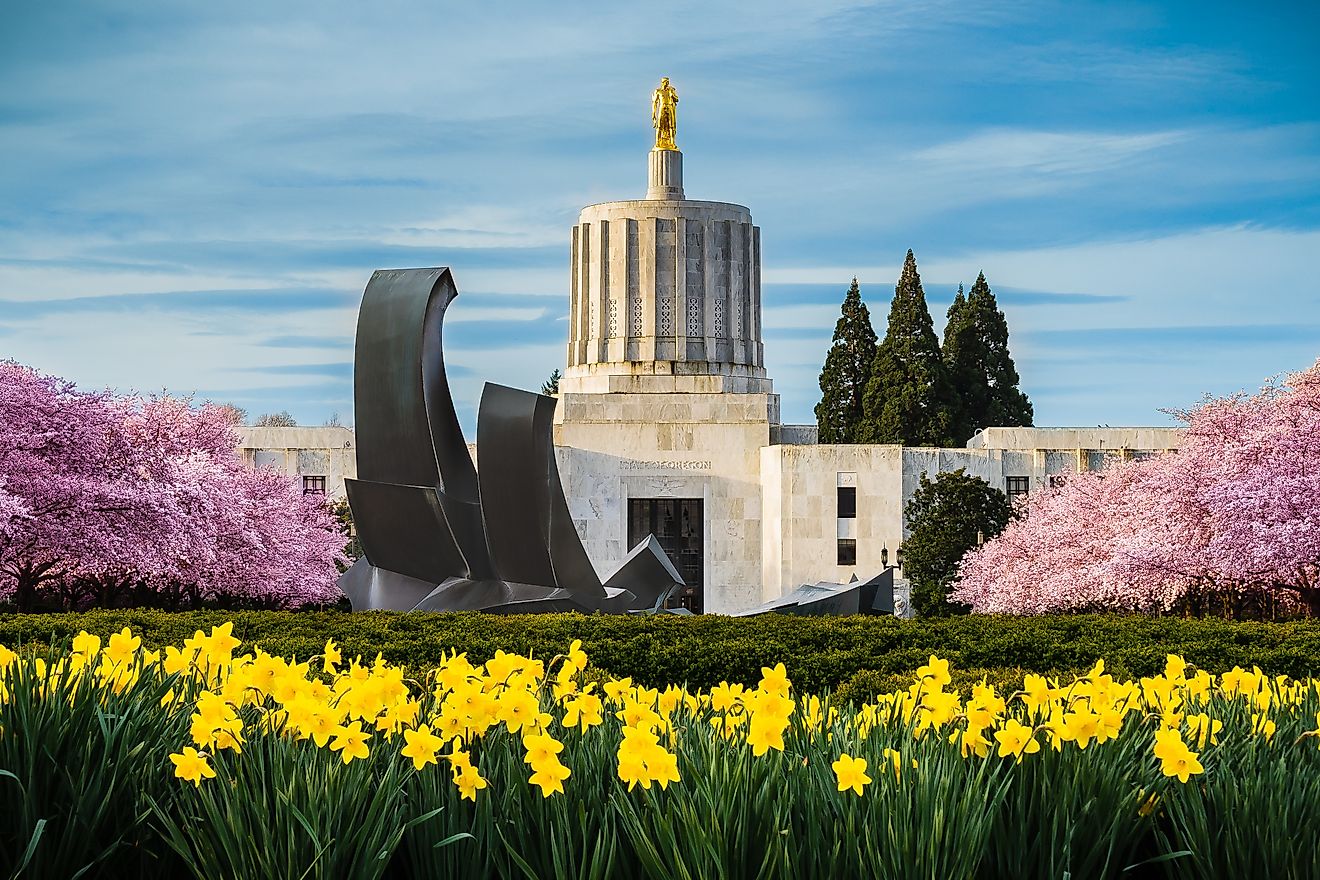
678,524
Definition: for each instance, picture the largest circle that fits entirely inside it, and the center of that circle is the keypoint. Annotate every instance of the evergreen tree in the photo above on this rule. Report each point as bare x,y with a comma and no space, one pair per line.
945,518
982,370
909,398
963,358
550,386
846,371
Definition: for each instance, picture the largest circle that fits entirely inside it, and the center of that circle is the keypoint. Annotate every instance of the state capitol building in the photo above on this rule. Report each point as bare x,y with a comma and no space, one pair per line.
668,424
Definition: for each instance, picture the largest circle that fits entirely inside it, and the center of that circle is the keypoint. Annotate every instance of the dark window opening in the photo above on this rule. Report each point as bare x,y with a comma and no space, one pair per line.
1015,486
847,551
313,485
847,502
678,525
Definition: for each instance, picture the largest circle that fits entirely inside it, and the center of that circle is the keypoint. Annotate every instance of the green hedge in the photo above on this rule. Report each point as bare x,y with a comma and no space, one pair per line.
820,652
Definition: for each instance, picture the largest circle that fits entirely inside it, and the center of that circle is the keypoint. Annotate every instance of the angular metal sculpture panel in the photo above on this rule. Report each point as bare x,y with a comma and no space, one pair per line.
647,574
872,597
408,532
437,533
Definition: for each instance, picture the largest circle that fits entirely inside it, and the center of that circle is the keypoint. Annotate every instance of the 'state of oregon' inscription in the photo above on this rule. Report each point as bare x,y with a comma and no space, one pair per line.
632,464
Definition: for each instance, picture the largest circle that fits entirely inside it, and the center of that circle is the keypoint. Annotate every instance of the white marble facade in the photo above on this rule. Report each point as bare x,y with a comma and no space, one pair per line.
772,518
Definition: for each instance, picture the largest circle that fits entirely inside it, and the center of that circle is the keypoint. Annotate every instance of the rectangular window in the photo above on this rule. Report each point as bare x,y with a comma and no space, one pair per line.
1015,486
313,485
847,551
1057,480
847,502
679,524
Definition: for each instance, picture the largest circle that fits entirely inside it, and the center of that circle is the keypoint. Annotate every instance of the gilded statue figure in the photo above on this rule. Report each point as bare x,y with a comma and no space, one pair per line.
664,115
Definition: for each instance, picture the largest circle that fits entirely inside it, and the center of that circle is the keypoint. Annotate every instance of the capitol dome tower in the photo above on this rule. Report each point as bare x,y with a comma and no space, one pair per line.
666,291
664,408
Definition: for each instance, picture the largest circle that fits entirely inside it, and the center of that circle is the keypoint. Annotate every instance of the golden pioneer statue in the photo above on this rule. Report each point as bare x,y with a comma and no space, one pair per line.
664,115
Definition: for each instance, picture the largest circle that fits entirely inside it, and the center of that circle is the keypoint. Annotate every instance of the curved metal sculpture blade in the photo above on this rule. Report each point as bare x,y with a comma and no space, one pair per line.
522,497
408,433
515,498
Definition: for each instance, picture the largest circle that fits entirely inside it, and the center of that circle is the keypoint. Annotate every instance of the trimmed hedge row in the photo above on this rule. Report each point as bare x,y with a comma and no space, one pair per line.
864,653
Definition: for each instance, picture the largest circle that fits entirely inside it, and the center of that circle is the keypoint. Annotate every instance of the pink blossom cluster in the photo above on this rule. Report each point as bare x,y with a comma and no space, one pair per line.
1235,510
112,500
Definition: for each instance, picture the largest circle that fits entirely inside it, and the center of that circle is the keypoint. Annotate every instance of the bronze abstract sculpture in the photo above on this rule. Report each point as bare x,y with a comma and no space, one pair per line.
437,533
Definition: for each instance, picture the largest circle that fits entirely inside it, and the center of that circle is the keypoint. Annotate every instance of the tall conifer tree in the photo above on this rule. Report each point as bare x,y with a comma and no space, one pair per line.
909,398
982,370
964,358
846,371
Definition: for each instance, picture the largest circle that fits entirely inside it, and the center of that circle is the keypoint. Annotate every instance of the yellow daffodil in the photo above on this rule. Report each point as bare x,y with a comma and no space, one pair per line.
935,673
421,745
1016,740
350,741
550,776
774,680
765,733
1202,728
541,749
1080,727
576,658
86,645
850,774
469,782
122,648
330,657
895,760
192,766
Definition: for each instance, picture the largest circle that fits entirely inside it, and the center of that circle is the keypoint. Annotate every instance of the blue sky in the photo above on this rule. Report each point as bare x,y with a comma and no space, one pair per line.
193,196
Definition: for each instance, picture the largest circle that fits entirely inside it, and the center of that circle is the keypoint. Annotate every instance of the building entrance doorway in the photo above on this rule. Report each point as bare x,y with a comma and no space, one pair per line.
678,524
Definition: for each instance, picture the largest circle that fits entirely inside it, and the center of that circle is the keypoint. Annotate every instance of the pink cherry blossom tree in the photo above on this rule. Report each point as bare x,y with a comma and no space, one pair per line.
1232,519
70,471
107,499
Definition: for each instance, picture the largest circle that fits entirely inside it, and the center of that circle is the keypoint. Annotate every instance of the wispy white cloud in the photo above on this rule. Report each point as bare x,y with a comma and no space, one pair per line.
995,152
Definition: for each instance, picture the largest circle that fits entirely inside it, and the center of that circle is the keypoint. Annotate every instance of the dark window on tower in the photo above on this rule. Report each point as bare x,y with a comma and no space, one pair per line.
313,485
1015,486
847,551
847,503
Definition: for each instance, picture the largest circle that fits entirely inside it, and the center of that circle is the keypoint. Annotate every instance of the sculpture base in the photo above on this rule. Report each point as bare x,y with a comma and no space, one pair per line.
664,179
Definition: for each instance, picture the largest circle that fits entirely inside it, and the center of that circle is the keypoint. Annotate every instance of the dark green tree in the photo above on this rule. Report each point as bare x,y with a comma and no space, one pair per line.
909,398
944,519
846,371
551,385
962,352
978,362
